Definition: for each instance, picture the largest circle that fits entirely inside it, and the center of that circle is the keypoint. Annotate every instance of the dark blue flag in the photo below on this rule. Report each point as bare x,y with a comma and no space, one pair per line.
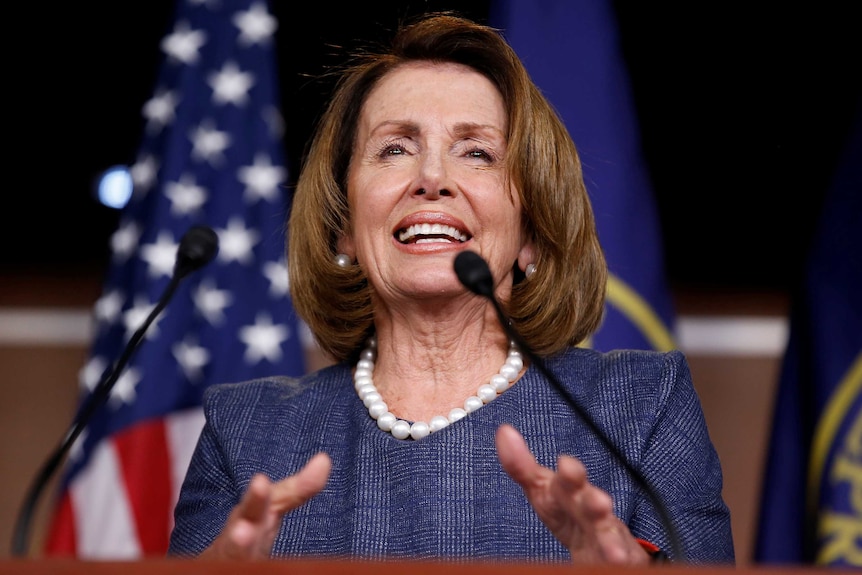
571,49
211,154
811,507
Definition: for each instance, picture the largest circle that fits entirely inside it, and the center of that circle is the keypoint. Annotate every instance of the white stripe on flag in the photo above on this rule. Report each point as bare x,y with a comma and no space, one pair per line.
104,523
182,429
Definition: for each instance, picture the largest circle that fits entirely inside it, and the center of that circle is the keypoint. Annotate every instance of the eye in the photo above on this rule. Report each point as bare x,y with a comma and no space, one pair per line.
480,154
392,148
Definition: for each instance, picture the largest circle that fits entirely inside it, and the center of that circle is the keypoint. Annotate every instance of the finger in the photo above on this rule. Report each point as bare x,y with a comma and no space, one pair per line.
517,459
617,545
245,523
585,502
592,510
293,491
253,505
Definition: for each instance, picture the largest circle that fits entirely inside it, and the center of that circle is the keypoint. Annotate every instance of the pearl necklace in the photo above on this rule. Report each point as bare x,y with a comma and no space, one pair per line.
401,429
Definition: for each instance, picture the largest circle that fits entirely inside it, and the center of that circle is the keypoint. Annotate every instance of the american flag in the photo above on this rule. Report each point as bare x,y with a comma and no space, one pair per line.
211,154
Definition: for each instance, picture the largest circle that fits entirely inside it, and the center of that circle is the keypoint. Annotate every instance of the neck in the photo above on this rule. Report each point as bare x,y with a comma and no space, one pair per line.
422,376
418,426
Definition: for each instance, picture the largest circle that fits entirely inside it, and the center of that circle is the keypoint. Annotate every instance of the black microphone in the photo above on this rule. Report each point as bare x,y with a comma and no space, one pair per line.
473,272
198,246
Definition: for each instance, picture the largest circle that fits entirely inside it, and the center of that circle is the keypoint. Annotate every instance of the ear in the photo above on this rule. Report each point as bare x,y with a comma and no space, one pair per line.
345,246
527,255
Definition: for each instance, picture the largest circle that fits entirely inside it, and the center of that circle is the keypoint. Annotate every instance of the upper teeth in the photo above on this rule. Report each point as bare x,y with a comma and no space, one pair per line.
431,230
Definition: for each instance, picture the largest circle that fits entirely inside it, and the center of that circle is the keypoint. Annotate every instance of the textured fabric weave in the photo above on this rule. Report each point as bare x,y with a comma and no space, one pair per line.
446,497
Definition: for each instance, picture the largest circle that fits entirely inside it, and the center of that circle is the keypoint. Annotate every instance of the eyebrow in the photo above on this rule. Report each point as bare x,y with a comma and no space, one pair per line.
407,128
461,130
467,128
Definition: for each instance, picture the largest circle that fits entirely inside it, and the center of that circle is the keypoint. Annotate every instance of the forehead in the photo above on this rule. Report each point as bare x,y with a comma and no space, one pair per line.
418,86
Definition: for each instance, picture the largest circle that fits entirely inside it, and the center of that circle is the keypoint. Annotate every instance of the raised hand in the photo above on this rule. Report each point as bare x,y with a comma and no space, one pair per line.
253,524
579,514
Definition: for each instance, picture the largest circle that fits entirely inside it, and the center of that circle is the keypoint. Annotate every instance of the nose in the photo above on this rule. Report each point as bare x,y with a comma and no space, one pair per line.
433,182
433,194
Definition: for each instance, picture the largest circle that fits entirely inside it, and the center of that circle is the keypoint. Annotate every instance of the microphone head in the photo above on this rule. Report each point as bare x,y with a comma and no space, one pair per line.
198,247
473,271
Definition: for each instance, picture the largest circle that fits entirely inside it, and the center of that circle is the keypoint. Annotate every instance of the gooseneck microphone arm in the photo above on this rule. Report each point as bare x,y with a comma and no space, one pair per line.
473,272
197,248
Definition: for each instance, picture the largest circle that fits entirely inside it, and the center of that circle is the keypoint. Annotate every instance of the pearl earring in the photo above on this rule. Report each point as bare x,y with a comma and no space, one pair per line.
343,260
530,270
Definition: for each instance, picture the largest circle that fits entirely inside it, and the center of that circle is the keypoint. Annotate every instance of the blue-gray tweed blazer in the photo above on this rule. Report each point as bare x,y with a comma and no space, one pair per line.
446,497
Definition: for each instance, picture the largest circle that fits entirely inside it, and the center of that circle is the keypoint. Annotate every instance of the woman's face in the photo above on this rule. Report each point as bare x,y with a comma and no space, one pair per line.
427,180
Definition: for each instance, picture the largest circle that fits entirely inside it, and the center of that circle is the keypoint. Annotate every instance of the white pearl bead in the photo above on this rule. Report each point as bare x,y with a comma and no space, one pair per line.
456,414
371,398
419,430
366,364
486,393
509,372
377,409
368,354
515,361
386,421
401,429
499,383
472,403
365,390
438,422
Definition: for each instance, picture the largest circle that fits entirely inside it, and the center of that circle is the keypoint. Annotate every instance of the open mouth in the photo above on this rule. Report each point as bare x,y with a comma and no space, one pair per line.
431,233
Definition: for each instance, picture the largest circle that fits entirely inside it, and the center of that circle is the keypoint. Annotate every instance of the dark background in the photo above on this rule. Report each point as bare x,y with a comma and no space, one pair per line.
743,109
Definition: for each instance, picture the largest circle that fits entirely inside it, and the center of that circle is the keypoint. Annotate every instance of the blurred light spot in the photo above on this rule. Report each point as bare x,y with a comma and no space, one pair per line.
115,187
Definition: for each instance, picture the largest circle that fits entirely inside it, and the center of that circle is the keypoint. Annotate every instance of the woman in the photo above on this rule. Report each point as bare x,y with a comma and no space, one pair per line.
439,146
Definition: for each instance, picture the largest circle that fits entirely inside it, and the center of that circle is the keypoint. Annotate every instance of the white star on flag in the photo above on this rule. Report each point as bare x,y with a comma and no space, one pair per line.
108,306
123,391
236,242
91,373
186,198
261,179
144,173
160,255
211,301
191,357
160,110
77,449
184,44
256,25
263,339
230,85
124,241
279,282
208,143
134,318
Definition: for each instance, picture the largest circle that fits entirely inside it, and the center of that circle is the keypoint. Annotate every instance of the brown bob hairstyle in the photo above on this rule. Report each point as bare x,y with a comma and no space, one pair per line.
557,307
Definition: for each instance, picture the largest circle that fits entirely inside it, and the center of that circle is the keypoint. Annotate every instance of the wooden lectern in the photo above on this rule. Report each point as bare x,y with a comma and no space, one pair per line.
330,567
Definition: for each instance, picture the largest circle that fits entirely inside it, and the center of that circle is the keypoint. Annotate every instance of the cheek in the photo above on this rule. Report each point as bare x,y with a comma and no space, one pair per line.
506,207
374,185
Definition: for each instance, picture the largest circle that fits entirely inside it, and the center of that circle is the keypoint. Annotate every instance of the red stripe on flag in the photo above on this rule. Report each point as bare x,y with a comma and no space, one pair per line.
146,469
61,537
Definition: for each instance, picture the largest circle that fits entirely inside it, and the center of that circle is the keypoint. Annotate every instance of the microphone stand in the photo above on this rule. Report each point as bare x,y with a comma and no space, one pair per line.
197,248
473,272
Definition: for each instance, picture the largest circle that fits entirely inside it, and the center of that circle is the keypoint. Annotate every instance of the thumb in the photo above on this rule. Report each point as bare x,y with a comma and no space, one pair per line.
515,456
293,491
